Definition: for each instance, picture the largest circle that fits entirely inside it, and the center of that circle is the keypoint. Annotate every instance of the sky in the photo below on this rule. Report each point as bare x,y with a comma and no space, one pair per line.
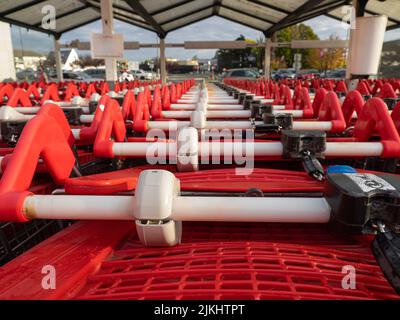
214,28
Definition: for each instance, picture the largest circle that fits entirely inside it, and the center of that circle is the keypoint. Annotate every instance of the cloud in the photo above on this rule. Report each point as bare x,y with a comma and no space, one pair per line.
325,27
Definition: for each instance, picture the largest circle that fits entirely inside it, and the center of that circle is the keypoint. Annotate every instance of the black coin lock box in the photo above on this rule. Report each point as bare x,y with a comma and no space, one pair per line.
296,143
358,200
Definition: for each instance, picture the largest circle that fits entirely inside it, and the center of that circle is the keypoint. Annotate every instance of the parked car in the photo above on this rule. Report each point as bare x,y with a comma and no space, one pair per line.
142,75
88,78
285,73
96,73
242,73
307,74
126,76
337,74
27,75
76,76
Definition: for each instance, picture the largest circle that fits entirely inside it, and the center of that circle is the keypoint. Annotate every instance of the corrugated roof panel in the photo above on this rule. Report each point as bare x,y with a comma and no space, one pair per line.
123,10
190,7
11,4
258,14
184,21
244,19
341,12
77,19
121,4
254,9
156,5
326,4
288,5
128,14
391,8
33,15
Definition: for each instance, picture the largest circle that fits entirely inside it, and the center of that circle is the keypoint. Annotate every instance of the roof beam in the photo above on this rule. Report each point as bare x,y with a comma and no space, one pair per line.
27,26
128,20
80,25
97,5
321,10
395,26
65,14
21,7
270,6
247,14
190,22
138,7
240,22
98,8
187,14
288,20
326,7
217,6
333,17
173,6
360,7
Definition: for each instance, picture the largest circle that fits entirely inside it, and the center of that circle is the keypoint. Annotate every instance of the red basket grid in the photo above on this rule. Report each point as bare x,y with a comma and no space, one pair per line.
241,261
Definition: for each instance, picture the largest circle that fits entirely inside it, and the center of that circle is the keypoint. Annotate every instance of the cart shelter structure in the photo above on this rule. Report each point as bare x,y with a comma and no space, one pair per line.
163,17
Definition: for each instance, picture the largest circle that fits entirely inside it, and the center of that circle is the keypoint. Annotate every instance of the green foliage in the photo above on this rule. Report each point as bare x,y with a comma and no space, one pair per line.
296,32
236,58
281,57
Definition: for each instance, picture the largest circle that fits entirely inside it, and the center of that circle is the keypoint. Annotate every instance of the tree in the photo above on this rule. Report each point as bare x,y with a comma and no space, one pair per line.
236,58
329,58
88,61
284,56
259,52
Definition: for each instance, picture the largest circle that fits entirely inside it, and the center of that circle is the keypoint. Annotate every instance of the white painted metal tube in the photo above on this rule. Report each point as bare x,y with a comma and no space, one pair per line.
354,149
144,149
286,210
35,110
230,124
176,106
79,207
232,114
267,100
294,210
294,113
312,125
167,125
258,149
76,133
8,113
183,106
222,101
222,94
225,107
218,149
27,110
187,100
86,118
215,124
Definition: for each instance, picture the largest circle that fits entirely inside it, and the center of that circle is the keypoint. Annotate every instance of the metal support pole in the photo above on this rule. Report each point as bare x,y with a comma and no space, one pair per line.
352,33
163,67
7,66
107,20
267,58
57,57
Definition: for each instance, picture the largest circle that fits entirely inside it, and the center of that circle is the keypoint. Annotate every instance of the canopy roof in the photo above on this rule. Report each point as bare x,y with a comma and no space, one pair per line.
164,16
